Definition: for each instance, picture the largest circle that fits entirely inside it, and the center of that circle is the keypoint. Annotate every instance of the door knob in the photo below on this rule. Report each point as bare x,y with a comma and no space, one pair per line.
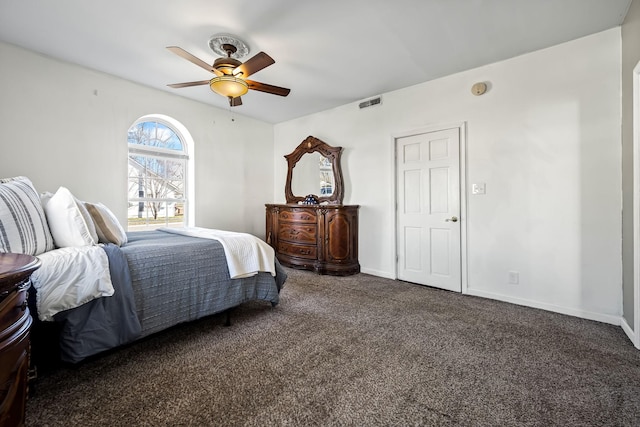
452,219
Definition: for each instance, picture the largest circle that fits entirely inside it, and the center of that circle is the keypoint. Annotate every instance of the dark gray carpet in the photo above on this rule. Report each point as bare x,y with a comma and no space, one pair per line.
358,351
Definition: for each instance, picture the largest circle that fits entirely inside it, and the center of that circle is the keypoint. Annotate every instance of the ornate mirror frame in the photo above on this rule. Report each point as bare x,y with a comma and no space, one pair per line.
313,145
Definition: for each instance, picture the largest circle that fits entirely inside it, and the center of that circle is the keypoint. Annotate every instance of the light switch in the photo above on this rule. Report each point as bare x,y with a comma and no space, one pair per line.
478,188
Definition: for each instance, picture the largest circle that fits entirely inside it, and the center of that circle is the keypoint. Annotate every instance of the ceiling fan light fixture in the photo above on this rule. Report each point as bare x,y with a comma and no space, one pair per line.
229,86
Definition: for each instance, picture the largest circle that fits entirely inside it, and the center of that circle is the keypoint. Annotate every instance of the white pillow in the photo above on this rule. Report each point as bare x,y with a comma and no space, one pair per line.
23,225
70,222
107,225
87,219
45,197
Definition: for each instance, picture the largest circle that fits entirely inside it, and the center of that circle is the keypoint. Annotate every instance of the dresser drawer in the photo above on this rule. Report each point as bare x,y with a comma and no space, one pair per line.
299,251
298,215
298,233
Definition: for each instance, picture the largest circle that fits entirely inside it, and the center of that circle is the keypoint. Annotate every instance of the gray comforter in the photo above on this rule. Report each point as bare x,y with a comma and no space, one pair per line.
161,279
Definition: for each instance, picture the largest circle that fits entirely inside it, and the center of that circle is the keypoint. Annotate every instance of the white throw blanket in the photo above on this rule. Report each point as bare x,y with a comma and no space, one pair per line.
246,254
70,277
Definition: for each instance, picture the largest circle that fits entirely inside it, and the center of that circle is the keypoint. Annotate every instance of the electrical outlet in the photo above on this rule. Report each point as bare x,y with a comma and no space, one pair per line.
514,277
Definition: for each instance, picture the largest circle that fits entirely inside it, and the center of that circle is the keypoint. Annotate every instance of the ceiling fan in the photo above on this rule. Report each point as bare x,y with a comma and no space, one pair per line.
230,74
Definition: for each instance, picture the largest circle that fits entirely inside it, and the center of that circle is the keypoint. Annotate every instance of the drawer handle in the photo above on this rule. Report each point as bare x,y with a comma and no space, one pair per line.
24,285
293,234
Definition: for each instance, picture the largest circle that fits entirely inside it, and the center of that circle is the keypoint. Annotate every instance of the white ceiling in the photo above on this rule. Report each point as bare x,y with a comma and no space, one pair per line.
328,52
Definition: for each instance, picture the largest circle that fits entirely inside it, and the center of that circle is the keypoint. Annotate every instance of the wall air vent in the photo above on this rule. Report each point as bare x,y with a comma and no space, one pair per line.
371,102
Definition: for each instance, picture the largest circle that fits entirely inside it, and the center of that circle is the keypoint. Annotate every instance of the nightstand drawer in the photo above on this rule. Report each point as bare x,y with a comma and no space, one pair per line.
299,251
13,312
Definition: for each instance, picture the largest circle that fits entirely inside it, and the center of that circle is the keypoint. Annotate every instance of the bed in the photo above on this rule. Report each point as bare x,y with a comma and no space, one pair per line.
110,291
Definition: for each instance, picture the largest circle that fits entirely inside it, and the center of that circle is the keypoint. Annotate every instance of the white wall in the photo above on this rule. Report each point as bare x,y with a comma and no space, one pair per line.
63,125
545,139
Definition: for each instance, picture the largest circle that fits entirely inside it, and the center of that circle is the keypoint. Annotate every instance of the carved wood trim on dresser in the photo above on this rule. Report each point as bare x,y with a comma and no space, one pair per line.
321,238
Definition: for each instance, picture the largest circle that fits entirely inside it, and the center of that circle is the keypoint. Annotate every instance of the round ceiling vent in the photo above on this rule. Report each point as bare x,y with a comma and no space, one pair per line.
217,41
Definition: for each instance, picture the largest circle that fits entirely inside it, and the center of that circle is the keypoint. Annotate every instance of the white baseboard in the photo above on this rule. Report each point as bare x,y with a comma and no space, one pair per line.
629,331
584,314
378,273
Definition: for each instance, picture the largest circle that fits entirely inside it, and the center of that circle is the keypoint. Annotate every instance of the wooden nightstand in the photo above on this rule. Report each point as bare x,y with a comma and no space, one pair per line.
15,325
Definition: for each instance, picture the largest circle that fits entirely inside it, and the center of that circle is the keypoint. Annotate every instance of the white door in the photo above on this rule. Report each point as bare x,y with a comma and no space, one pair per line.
428,203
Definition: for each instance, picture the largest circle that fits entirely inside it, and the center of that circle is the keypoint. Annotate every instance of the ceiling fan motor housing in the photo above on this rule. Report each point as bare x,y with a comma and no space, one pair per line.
226,65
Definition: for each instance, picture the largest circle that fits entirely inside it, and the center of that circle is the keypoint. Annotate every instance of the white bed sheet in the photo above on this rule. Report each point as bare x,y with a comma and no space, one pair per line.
70,277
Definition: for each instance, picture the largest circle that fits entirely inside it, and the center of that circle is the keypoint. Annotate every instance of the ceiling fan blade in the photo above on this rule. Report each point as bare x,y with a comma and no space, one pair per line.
188,84
189,57
254,64
263,87
234,102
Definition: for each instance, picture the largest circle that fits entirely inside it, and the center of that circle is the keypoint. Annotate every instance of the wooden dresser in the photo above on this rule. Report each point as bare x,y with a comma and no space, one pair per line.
322,238
15,325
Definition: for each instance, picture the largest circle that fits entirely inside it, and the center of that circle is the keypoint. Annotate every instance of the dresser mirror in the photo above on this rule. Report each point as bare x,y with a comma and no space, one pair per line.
313,174
314,169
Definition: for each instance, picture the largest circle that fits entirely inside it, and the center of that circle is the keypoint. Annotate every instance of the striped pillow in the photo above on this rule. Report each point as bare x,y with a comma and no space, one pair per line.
107,225
23,225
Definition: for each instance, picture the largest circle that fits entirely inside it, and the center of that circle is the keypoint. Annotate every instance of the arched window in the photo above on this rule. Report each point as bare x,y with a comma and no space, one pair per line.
158,174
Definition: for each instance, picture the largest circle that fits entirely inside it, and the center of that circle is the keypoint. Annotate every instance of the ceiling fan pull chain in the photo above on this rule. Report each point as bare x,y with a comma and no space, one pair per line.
231,112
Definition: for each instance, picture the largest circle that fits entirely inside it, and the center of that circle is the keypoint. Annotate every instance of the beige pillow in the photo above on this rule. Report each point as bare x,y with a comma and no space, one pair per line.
107,225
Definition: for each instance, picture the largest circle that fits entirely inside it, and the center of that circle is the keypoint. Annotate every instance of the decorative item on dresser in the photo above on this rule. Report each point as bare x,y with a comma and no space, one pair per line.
313,232
15,326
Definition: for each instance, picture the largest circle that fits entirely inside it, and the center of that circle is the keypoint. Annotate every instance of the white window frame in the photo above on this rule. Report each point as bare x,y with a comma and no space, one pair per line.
187,154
